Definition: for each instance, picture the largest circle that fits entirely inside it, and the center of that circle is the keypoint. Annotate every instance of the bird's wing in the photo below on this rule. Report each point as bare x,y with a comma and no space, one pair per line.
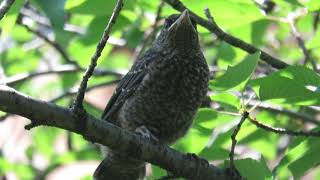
127,86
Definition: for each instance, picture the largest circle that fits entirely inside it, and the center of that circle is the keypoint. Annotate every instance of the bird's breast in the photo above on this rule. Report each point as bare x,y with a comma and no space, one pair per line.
169,96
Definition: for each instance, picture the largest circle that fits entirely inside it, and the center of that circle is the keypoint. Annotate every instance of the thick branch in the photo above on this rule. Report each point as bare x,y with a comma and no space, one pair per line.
120,140
213,27
4,7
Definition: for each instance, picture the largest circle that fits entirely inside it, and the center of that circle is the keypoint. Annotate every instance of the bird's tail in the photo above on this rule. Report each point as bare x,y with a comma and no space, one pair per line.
119,167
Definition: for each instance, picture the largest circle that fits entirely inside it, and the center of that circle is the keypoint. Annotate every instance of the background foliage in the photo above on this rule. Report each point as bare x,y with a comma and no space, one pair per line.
287,98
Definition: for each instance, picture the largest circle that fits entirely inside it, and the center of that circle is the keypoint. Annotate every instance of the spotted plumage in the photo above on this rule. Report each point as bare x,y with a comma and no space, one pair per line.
159,95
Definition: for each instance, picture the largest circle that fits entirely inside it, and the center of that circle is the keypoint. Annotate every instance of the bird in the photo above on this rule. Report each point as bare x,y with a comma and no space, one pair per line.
159,96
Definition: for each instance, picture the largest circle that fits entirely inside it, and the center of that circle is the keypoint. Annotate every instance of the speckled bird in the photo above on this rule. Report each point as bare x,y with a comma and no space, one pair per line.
159,96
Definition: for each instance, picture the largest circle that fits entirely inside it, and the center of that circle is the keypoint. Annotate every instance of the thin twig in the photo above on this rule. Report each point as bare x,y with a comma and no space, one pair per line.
12,81
283,131
208,14
213,27
279,110
234,140
77,105
4,7
301,44
150,36
210,19
52,43
74,91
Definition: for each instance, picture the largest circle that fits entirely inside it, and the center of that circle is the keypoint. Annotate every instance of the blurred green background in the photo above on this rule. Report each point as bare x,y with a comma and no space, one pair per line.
45,46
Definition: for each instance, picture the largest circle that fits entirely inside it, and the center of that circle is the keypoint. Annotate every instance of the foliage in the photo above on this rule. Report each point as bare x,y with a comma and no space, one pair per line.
240,79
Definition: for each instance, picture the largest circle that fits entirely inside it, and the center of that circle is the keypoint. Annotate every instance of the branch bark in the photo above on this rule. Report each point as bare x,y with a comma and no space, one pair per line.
102,132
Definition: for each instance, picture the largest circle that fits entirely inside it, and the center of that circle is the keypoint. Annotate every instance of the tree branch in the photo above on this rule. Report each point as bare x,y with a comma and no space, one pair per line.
4,7
283,131
72,92
244,116
102,132
77,105
12,81
279,110
213,27
52,43
301,44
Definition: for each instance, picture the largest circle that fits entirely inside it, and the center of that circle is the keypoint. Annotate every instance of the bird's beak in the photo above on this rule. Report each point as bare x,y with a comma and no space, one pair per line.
183,23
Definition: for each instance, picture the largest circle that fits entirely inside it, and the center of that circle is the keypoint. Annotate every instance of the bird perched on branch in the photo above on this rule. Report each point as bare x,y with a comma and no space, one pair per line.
159,96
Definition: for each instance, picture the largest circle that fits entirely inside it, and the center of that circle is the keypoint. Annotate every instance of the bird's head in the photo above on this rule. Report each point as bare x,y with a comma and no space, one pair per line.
179,33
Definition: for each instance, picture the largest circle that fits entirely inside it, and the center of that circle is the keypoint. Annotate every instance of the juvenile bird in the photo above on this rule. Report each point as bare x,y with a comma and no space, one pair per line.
159,96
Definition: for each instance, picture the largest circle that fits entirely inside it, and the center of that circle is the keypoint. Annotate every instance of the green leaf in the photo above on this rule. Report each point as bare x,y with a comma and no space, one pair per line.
226,98
239,12
314,43
96,7
54,9
236,76
5,166
24,171
83,56
69,80
97,25
260,171
7,24
214,153
198,136
262,141
44,139
293,85
245,10
158,172
9,20
312,5
300,158
14,60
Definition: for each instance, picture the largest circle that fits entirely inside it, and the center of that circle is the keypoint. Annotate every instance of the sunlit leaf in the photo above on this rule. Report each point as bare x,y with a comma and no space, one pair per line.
261,170
300,158
96,7
236,76
294,84
227,98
